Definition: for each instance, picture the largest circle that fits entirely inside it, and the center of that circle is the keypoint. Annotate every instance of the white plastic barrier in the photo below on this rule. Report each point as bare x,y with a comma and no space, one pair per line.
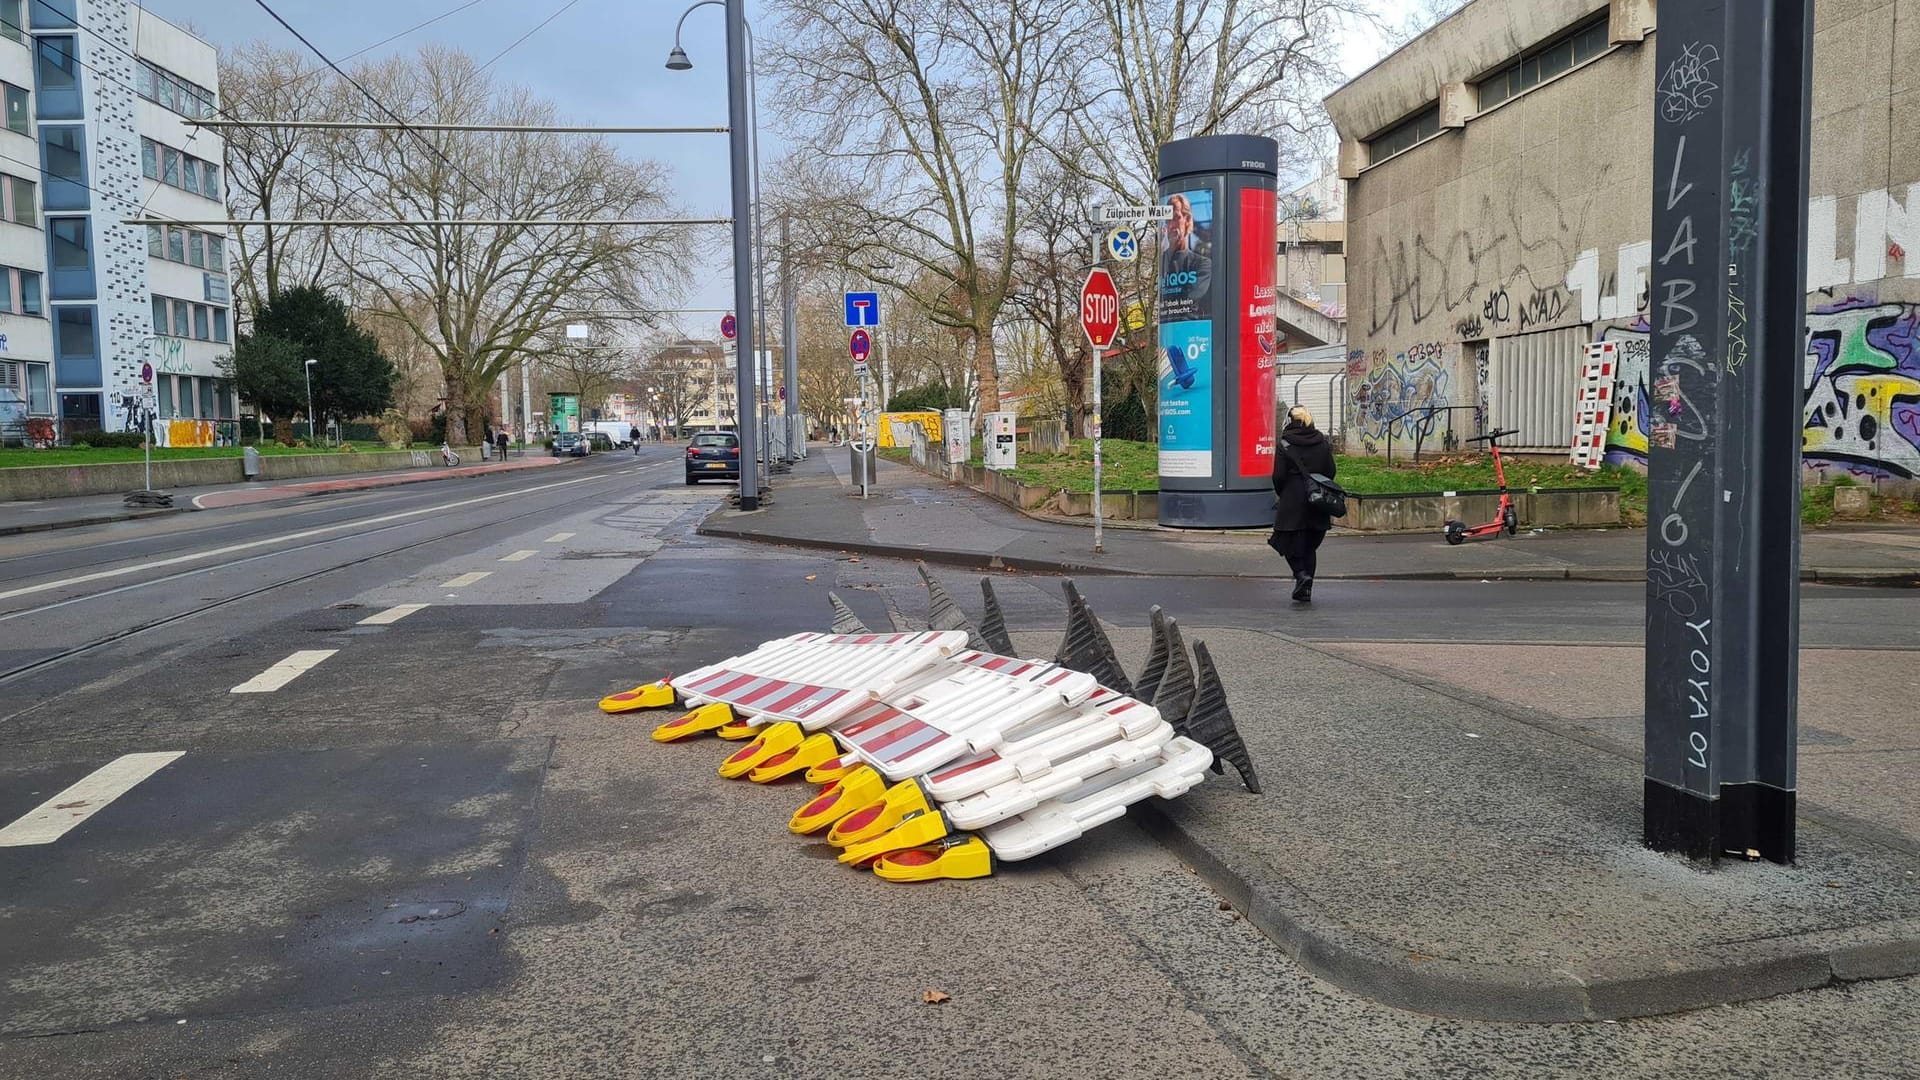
1018,796
1033,748
816,679
1180,765
954,709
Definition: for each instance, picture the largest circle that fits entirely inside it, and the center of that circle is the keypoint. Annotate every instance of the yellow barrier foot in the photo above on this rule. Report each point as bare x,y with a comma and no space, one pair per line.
739,729
858,788
775,740
816,749
704,718
904,798
917,831
654,695
833,768
957,857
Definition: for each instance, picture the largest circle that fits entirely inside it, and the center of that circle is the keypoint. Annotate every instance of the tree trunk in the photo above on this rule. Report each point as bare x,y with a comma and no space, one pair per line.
986,371
457,410
1073,376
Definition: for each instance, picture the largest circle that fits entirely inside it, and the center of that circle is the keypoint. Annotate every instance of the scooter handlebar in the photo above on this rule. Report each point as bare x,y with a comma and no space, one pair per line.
1494,435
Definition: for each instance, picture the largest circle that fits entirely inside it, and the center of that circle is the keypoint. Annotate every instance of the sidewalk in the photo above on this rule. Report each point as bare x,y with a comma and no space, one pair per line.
912,515
83,510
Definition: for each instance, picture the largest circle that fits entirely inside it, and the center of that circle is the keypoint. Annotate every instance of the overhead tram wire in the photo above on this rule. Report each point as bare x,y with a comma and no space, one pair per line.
381,105
562,10
389,39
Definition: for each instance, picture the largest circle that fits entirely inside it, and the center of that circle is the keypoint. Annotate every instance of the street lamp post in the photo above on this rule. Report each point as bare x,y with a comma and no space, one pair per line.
312,437
741,156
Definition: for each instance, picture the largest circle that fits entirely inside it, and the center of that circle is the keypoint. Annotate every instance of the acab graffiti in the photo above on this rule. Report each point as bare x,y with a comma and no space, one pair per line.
1861,403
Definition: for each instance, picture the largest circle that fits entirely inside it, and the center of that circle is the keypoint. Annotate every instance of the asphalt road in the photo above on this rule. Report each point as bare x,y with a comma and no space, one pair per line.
398,840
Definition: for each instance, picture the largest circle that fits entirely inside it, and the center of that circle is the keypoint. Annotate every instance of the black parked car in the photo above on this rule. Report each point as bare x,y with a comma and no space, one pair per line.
713,455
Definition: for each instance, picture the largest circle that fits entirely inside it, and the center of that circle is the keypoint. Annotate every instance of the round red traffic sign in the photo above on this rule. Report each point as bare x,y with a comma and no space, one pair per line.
860,345
1100,308
729,326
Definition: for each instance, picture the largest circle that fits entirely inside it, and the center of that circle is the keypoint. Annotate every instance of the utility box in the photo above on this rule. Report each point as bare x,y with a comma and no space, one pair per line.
998,449
959,432
860,456
250,463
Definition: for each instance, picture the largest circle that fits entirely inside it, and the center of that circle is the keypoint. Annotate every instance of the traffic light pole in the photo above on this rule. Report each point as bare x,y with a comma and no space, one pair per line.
1731,116
743,264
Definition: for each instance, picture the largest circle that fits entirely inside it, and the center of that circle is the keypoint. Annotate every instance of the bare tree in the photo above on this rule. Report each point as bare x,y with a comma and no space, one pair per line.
675,379
493,293
590,372
924,116
280,173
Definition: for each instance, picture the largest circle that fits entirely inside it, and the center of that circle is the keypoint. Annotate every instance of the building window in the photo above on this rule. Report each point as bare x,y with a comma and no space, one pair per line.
160,315
13,22
19,291
54,13
176,245
197,249
1561,54
202,323
180,315
1404,135
216,254
79,412
220,325
63,158
156,241
18,118
57,69
175,169
185,319
170,91
70,259
39,390
76,348
18,201
187,247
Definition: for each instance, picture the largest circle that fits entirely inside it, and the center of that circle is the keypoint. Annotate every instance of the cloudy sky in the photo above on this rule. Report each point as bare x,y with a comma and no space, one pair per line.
601,61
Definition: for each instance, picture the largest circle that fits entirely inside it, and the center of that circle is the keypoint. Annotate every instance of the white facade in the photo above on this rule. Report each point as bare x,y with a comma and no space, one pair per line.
109,88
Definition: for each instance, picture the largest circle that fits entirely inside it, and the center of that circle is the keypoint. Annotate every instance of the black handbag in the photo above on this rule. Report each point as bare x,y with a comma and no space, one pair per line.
1322,493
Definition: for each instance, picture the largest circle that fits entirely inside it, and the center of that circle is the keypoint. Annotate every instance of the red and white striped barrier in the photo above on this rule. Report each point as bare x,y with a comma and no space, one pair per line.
954,709
1033,748
816,679
1020,795
1180,764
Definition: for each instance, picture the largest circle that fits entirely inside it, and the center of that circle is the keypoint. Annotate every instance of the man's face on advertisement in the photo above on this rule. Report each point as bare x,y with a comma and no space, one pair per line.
1181,227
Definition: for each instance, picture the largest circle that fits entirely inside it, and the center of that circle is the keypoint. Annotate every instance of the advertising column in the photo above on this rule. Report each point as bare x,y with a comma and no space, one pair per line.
1217,342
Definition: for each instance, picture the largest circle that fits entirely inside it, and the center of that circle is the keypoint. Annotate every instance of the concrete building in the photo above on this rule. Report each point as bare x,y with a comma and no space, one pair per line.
1311,264
692,384
1499,207
97,95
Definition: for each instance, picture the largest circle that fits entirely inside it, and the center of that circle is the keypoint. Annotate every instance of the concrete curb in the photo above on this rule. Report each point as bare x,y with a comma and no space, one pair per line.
1695,979
96,519
1874,578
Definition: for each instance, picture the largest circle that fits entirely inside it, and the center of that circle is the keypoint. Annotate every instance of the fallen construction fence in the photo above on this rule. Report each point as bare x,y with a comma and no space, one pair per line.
940,751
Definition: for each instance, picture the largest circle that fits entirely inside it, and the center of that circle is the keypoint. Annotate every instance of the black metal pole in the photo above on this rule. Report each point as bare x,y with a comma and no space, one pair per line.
1730,181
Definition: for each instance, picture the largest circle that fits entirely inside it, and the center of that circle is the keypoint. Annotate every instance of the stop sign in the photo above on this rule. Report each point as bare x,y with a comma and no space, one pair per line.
1100,308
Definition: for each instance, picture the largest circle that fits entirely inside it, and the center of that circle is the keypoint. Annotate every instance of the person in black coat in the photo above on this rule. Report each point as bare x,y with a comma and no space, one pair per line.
1298,527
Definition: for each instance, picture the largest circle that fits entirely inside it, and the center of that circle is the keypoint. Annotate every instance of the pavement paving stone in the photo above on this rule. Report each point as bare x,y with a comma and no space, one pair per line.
911,515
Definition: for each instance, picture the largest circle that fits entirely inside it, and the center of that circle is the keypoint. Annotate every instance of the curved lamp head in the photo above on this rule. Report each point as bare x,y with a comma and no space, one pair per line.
677,60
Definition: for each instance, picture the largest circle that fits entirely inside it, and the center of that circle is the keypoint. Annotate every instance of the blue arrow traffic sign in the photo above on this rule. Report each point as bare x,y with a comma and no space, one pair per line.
863,309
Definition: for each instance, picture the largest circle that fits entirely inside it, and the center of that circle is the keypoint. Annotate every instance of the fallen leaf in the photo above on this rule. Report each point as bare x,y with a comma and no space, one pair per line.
810,577
934,997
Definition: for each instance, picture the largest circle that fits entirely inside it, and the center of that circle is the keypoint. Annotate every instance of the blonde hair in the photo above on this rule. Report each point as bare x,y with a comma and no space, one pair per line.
1300,413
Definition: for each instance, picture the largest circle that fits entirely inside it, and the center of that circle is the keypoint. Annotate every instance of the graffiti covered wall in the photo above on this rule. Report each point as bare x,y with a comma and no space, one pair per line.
1861,386
1399,398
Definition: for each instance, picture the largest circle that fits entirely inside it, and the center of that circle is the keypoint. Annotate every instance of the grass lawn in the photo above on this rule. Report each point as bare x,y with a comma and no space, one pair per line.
88,455
1124,466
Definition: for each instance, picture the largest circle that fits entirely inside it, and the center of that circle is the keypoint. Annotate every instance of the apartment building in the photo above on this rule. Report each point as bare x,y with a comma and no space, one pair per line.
98,96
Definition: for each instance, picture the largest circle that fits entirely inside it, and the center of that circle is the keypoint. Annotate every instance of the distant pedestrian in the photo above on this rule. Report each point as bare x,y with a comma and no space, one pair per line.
500,443
1298,526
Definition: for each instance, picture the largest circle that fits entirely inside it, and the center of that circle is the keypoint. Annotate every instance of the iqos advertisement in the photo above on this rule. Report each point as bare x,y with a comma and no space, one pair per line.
1186,333
1218,348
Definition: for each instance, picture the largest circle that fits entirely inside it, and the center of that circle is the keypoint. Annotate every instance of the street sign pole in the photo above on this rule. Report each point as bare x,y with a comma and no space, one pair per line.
741,161
1099,413
1729,217
1100,318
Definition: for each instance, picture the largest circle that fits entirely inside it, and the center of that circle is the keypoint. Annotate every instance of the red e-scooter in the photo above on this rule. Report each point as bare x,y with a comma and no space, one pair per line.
1459,532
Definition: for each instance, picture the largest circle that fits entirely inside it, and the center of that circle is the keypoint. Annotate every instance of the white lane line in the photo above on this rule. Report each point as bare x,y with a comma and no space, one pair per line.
283,672
195,556
392,615
518,556
54,818
465,580
558,538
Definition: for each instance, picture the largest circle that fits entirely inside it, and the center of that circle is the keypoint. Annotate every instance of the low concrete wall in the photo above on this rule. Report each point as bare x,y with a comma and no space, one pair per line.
1419,512
60,481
